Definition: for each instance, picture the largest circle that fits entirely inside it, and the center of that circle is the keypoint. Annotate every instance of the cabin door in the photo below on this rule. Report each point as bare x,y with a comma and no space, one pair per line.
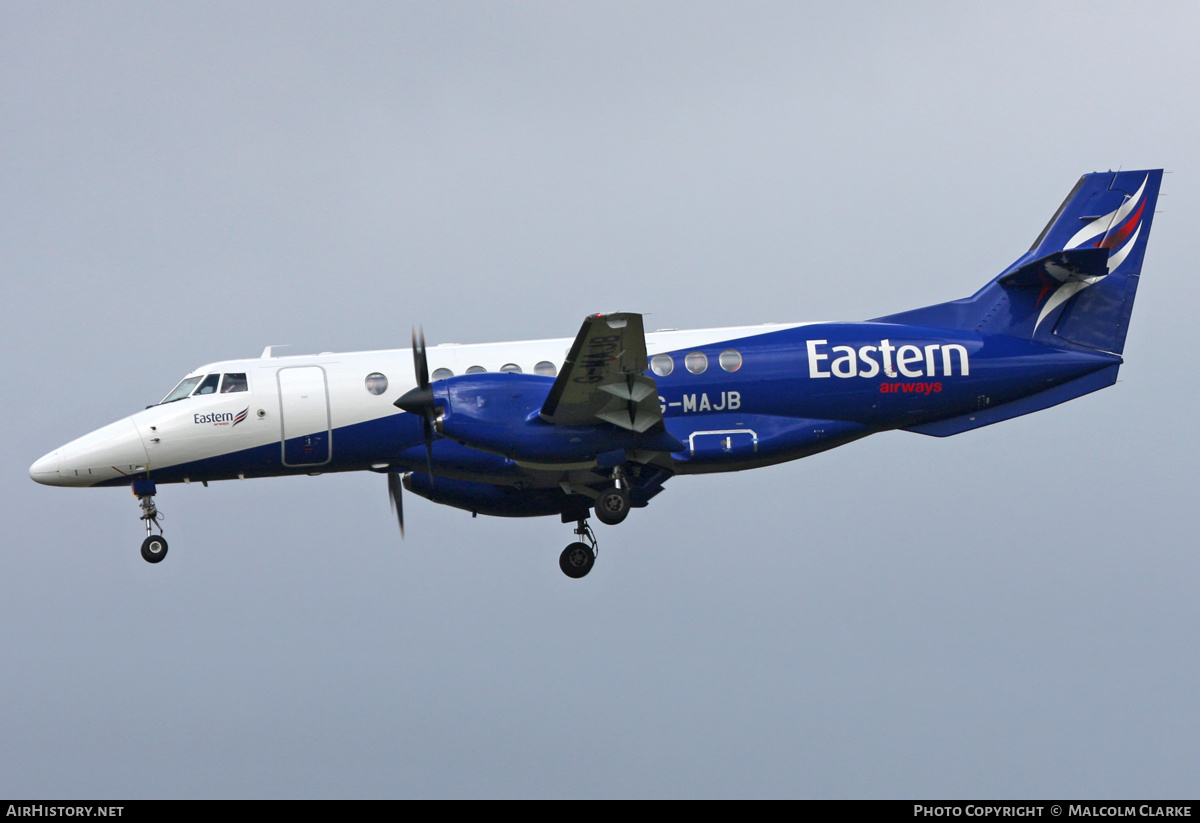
304,409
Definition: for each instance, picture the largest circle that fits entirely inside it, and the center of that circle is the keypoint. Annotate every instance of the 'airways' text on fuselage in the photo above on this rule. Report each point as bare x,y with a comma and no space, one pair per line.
869,361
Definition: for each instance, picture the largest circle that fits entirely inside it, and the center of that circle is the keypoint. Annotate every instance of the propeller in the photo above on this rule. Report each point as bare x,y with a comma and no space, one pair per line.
395,488
416,401
420,400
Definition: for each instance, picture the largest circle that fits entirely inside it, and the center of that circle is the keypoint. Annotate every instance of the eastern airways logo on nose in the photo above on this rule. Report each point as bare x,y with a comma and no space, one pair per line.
221,418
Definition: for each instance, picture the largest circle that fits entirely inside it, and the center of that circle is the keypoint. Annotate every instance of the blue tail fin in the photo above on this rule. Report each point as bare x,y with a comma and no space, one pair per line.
1077,283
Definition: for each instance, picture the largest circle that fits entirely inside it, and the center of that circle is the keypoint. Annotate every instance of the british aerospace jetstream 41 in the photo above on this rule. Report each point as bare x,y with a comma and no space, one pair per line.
561,427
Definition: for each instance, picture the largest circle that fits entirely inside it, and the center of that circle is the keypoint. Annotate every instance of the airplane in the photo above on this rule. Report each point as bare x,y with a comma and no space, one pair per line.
601,422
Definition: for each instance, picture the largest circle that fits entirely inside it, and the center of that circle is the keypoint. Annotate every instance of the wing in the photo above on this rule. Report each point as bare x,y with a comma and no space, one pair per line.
603,377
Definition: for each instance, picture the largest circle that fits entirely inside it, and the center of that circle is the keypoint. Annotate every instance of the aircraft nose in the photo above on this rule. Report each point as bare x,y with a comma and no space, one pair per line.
45,469
107,454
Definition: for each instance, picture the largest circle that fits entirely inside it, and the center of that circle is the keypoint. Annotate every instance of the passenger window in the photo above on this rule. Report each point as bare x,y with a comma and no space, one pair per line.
209,385
510,368
233,382
545,369
476,370
662,364
696,362
441,374
730,360
376,383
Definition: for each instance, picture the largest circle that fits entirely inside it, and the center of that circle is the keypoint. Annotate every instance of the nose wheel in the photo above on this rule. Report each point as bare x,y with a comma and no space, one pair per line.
578,558
154,548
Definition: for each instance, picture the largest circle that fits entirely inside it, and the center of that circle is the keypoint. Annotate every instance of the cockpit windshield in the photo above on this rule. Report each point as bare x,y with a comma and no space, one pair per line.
209,386
183,389
233,382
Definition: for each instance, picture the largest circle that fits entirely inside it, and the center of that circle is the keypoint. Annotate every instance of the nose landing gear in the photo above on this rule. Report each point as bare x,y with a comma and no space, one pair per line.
154,547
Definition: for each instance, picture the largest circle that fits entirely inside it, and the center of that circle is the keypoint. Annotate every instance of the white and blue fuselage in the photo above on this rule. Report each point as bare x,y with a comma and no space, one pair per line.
734,398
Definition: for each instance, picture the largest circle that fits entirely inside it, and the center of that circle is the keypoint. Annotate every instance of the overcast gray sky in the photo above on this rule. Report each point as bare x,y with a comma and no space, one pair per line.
1007,613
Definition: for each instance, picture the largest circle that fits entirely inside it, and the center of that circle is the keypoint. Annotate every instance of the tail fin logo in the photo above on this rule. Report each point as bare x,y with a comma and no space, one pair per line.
1116,231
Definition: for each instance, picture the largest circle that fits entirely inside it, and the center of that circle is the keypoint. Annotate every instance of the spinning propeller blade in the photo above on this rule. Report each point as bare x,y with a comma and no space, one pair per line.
420,400
395,489
420,363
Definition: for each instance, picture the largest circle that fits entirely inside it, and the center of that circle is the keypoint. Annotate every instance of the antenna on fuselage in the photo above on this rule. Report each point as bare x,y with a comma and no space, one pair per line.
267,351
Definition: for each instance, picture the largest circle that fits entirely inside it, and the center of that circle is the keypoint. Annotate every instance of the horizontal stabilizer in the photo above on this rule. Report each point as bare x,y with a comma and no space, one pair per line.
1060,267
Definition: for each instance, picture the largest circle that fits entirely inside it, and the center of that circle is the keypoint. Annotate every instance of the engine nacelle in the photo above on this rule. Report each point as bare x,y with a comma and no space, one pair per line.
498,413
498,501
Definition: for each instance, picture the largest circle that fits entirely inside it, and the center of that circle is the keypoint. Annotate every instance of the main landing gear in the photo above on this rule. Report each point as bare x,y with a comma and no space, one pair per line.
578,558
154,547
612,506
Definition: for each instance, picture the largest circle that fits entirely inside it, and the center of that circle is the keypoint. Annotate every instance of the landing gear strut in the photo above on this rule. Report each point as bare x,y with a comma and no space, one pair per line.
578,558
154,547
